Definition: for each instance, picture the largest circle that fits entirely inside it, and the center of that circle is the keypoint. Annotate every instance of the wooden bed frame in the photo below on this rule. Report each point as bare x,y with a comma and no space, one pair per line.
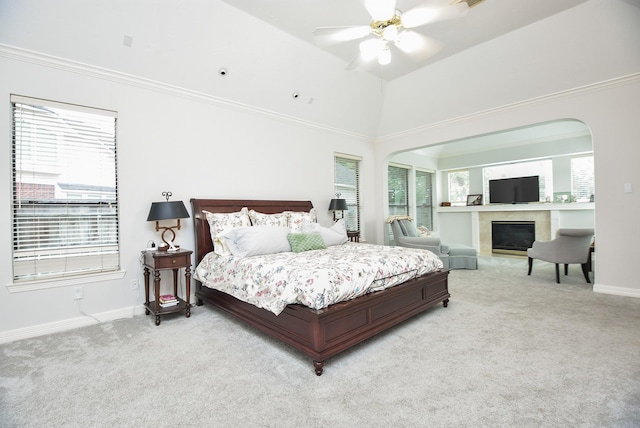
322,333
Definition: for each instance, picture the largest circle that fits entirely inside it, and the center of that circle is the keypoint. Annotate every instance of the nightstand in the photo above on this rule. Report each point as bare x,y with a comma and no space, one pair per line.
353,235
157,261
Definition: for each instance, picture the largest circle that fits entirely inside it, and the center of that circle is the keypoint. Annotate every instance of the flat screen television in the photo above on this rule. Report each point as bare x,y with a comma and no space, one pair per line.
514,190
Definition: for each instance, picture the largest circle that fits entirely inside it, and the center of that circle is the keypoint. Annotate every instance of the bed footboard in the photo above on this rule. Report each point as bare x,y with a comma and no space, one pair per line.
323,333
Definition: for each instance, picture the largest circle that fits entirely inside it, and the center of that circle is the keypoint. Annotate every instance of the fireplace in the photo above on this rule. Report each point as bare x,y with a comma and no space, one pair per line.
512,237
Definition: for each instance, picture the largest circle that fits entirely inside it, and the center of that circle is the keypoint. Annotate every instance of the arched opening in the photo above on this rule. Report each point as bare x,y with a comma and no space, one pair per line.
560,152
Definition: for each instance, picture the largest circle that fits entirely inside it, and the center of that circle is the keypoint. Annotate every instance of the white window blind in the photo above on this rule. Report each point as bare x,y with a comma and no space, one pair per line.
347,183
65,202
398,187
424,200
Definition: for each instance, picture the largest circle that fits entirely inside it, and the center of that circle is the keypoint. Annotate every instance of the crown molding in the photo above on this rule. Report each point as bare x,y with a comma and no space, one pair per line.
618,81
70,66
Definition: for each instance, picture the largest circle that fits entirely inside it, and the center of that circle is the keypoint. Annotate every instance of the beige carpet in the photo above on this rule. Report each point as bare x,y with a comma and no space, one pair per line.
510,350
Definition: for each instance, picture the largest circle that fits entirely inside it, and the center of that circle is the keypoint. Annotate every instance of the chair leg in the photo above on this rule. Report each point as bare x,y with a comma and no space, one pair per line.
585,271
566,269
557,273
530,265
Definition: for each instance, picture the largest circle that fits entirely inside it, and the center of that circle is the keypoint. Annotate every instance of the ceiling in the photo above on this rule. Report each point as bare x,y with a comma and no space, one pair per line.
484,21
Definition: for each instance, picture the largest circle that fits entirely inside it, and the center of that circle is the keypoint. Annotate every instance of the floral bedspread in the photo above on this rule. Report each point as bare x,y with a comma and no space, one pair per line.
315,278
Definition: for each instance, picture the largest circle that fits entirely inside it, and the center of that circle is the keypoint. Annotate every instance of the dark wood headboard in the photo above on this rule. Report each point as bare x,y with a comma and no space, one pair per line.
202,239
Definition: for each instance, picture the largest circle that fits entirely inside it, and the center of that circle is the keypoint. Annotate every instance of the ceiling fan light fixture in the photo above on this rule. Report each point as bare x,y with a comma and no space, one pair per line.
384,57
390,33
371,48
409,42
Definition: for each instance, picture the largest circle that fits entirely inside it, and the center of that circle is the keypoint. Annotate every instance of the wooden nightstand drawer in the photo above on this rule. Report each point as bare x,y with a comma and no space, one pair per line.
172,261
167,260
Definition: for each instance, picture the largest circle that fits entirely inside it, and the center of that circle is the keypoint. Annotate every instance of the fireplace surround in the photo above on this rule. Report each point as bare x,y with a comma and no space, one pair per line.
512,237
542,221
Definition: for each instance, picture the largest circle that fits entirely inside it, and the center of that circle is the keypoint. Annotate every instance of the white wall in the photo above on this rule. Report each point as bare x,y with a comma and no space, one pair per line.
168,139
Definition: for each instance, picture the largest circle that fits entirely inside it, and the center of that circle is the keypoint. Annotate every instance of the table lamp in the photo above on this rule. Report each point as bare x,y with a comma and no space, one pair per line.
338,205
168,210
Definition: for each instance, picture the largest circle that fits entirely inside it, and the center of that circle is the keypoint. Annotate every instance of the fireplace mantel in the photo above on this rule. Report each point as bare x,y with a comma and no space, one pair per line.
476,220
520,207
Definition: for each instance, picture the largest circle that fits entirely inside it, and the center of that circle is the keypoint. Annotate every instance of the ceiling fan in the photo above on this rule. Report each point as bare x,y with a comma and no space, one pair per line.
390,28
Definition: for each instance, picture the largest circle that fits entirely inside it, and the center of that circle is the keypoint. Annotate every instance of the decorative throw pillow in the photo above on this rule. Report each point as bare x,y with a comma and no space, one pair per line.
334,235
260,219
296,218
256,240
305,242
220,223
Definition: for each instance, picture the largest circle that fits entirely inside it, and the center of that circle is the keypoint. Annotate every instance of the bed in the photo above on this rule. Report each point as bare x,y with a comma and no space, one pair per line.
318,333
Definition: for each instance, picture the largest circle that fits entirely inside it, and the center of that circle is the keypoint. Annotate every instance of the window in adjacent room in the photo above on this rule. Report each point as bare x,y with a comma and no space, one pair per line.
65,199
582,178
458,187
347,179
424,201
398,188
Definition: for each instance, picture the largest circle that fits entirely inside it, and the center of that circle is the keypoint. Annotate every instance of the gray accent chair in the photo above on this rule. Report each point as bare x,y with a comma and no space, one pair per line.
570,246
405,234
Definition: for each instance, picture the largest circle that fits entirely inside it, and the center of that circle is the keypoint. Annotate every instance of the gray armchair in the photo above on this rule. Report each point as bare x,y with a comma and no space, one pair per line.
405,234
570,246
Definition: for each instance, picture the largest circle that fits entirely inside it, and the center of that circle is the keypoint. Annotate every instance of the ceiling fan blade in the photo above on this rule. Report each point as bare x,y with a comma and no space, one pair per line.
428,14
380,10
332,35
417,45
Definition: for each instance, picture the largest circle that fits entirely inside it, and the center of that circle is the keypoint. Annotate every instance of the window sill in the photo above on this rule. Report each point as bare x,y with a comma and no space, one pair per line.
19,287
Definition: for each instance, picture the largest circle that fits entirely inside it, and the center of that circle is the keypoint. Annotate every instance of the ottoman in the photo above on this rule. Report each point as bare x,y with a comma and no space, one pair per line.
462,257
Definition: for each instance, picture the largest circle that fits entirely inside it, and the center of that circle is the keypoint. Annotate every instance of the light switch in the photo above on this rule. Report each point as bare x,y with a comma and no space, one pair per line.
627,187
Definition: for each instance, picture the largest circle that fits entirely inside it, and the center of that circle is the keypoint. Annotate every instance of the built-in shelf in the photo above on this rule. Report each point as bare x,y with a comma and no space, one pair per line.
520,207
471,225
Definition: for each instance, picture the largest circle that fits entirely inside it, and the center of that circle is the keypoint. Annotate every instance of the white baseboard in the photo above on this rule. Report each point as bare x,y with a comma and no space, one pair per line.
69,324
617,291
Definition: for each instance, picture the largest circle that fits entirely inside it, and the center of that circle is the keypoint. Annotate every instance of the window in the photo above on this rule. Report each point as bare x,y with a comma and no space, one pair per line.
398,187
65,202
582,179
542,168
424,203
347,179
398,190
458,187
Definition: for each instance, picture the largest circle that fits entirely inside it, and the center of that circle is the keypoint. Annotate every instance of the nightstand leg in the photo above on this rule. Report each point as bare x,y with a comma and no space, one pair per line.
156,289
146,290
187,298
175,282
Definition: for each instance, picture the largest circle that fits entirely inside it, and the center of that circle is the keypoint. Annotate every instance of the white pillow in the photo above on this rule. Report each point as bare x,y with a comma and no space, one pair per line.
220,223
296,218
256,240
260,219
334,235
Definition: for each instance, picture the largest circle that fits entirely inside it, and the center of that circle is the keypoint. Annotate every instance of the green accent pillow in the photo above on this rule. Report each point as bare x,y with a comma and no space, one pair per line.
305,242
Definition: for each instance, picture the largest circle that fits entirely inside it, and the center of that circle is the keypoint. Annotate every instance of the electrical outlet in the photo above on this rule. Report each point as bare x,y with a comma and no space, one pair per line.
78,293
134,284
